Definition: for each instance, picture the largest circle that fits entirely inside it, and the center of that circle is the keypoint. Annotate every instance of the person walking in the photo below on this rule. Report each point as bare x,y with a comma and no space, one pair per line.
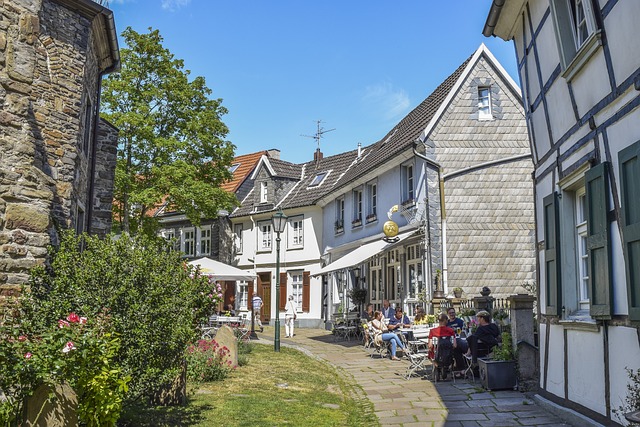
256,303
289,317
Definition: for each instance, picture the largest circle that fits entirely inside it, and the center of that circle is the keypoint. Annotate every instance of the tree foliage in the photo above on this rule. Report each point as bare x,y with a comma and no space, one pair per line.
154,301
171,142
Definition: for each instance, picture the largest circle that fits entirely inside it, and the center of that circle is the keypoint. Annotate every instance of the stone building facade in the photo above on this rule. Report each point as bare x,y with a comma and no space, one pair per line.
58,157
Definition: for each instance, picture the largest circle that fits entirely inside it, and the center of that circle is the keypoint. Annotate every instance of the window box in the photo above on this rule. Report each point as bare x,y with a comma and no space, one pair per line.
356,222
339,225
408,203
371,218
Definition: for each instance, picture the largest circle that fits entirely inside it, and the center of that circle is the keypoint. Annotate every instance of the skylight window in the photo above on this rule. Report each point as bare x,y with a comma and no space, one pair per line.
233,168
318,179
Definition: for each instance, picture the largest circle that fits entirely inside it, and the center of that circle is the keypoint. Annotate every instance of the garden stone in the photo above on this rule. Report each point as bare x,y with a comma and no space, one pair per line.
61,411
226,338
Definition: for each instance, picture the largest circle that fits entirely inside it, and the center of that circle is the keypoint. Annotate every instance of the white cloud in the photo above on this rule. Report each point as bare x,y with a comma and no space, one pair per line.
385,101
172,5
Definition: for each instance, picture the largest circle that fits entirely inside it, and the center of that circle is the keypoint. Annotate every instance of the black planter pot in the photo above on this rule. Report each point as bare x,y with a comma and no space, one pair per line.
497,374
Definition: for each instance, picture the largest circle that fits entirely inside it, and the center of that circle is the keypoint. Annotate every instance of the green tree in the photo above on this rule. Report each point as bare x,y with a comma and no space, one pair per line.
171,144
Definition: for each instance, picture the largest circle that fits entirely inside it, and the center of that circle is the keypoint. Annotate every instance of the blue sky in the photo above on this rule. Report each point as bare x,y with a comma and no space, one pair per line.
281,65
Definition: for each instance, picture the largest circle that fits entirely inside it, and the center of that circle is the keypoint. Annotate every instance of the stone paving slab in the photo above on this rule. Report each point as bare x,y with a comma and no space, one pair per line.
418,401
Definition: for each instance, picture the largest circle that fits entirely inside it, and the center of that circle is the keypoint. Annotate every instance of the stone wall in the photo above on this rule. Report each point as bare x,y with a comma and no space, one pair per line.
49,83
104,176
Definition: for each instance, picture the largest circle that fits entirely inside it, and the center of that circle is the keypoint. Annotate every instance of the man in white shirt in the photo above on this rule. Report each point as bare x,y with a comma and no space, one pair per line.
289,317
387,311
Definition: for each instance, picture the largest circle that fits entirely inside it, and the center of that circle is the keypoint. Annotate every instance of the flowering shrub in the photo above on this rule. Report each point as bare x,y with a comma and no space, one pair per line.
155,302
76,352
207,361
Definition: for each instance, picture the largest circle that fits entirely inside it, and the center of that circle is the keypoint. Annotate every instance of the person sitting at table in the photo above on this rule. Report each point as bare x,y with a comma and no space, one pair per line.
367,315
454,322
440,331
400,323
387,310
421,317
230,311
481,341
381,333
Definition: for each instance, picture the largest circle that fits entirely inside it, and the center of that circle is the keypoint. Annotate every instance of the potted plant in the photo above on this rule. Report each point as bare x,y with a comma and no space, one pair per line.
457,292
358,296
498,371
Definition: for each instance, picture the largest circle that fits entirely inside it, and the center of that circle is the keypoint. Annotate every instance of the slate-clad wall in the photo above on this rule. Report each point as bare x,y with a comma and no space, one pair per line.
490,222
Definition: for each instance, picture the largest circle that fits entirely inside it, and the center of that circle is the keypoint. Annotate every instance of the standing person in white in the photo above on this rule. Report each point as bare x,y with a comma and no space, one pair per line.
289,317
256,303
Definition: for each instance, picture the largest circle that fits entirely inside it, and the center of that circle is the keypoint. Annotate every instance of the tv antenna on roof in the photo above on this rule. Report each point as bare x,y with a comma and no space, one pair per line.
319,133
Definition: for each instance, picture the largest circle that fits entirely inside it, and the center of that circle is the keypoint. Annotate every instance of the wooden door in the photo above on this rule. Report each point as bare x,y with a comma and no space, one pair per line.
264,290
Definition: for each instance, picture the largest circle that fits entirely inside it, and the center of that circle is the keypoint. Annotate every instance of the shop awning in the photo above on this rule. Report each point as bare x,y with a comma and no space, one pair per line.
221,271
361,254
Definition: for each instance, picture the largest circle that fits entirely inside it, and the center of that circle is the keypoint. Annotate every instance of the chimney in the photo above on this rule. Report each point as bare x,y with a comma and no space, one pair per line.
359,150
274,153
317,156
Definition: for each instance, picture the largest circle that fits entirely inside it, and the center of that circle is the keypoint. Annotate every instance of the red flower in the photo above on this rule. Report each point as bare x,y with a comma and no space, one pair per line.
73,318
22,338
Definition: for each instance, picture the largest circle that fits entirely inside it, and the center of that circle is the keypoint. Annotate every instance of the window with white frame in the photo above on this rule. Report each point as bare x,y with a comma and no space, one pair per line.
484,103
414,265
372,205
576,31
375,279
237,238
357,207
205,241
243,294
339,225
296,233
264,192
582,253
169,235
264,236
189,242
233,167
393,290
577,240
408,190
296,289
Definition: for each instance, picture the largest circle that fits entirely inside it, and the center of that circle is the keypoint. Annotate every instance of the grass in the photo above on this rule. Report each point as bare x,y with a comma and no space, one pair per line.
272,389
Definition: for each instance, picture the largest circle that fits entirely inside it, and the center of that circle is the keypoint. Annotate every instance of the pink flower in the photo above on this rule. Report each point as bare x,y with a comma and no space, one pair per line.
83,320
73,318
68,347
62,323
27,355
22,338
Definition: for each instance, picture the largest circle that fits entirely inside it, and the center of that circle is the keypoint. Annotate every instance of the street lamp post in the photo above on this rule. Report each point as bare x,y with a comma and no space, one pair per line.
279,220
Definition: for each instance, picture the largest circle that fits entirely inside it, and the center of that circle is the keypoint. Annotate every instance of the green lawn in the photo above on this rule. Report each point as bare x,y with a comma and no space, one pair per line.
273,389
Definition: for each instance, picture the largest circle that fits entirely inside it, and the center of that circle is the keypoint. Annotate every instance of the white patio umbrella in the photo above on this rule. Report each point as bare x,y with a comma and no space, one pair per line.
221,271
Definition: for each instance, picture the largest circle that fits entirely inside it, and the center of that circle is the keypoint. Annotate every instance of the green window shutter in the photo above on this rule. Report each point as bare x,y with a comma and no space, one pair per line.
629,160
598,241
552,255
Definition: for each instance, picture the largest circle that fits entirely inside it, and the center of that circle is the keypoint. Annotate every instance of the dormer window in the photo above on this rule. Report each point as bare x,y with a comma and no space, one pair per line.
264,192
318,179
484,103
